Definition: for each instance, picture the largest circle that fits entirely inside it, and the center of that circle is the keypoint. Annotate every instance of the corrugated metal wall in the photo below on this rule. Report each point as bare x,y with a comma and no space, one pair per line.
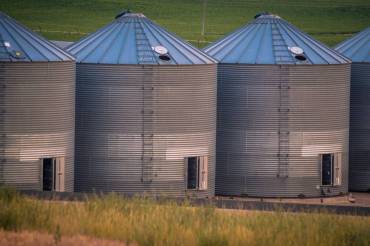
37,120
314,113
359,155
126,111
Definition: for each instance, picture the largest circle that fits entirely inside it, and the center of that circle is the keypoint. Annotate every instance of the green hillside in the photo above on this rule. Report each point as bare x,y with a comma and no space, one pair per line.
328,21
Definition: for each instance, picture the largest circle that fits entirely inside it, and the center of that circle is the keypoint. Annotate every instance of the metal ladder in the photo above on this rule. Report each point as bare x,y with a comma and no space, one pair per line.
283,134
2,123
145,56
282,55
147,126
281,52
144,50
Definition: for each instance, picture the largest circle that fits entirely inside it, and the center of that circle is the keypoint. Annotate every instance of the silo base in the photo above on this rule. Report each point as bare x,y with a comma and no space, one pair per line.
291,187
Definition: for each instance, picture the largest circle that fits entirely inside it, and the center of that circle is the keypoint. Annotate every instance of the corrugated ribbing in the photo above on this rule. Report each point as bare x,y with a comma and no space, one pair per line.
37,120
359,154
135,124
274,121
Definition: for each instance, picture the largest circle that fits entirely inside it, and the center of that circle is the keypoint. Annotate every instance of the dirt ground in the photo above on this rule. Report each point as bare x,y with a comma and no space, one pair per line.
9,238
356,199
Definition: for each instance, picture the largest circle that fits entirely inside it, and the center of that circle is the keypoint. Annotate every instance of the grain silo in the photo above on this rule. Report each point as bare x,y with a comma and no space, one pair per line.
37,91
357,49
283,112
145,111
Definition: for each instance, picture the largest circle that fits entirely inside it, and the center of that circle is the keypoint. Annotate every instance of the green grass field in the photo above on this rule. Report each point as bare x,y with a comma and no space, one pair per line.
328,21
145,222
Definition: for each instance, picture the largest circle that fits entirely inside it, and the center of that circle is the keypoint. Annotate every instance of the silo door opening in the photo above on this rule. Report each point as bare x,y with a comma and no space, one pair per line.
53,174
331,169
327,169
197,172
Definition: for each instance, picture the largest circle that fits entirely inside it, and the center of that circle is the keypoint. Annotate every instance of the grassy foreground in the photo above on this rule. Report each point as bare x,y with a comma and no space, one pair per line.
142,221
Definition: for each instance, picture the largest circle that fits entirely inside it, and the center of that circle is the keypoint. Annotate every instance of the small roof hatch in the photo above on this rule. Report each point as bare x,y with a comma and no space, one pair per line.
160,50
296,50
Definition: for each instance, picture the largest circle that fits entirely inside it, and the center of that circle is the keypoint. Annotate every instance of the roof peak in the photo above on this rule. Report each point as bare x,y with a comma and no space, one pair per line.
129,14
134,15
269,39
266,15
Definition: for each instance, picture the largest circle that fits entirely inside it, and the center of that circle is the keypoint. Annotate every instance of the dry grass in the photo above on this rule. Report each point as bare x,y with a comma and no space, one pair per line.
8,238
144,222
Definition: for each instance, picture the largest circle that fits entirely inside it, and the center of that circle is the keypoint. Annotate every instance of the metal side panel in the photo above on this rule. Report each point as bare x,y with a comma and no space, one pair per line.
359,138
137,123
274,122
37,121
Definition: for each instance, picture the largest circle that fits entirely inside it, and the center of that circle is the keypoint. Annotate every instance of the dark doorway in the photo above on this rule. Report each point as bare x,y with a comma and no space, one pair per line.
48,174
192,175
327,161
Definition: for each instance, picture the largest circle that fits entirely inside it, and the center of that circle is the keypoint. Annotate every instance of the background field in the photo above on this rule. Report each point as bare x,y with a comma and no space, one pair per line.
328,21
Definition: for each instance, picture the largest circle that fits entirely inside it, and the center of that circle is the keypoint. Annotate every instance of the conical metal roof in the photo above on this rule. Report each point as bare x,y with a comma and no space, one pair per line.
357,48
134,39
19,44
271,40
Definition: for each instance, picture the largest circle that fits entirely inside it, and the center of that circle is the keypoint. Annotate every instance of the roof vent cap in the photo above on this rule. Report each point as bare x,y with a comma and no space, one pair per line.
296,50
160,50
266,14
123,13
261,14
7,44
